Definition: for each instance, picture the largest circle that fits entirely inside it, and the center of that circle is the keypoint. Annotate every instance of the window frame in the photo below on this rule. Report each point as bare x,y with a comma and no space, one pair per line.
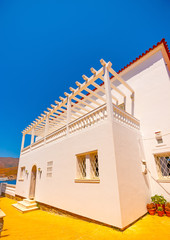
157,157
89,168
21,174
49,169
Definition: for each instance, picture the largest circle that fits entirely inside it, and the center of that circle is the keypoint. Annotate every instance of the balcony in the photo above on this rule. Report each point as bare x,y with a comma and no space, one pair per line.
91,102
84,122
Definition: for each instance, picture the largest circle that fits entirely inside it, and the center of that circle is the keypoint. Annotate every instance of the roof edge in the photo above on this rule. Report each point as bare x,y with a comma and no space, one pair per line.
162,42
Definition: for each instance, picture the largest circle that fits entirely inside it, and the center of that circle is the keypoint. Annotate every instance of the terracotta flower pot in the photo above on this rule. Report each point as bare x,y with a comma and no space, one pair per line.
160,213
152,211
167,213
160,205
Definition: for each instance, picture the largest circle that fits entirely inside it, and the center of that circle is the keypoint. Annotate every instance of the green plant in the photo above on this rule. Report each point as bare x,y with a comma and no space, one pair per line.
160,209
158,199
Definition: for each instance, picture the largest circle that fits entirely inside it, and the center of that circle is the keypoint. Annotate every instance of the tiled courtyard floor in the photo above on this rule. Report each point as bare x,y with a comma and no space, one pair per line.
43,225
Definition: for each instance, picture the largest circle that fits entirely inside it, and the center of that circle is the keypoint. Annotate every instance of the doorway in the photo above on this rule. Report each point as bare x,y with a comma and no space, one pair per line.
33,182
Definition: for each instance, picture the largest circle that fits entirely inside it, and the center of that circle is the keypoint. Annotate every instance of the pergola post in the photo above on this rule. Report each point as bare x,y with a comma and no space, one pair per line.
32,136
108,93
68,113
23,141
46,126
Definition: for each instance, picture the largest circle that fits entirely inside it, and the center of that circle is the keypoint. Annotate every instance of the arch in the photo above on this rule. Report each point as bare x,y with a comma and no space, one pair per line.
33,182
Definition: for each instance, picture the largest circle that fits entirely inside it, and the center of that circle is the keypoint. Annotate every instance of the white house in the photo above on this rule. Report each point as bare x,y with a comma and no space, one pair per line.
104,148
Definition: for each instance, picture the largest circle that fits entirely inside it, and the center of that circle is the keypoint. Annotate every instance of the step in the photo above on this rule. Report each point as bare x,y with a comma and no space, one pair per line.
29,200
23,209
26,204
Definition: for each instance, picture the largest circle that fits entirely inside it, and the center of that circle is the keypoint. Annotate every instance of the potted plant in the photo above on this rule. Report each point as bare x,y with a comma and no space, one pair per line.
160,211
167,209
159,200
151,208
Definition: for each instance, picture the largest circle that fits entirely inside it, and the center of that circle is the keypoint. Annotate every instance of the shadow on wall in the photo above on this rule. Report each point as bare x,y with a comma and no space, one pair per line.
158,182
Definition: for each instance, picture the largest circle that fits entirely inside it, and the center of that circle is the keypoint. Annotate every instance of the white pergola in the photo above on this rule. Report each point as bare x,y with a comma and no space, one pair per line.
94,92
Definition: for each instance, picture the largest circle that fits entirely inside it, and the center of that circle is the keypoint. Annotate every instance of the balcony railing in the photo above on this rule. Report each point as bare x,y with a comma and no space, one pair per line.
125,118
97,115
88,120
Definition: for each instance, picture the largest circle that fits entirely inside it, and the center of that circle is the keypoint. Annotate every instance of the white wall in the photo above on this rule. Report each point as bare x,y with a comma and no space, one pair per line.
99,201
133,184
123,191
102,201
151,83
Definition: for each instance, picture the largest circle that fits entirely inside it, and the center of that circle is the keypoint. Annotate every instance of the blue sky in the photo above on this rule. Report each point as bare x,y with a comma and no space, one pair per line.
45,46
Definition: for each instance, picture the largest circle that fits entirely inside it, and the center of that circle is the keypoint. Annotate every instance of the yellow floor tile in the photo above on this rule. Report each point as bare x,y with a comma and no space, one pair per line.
44,225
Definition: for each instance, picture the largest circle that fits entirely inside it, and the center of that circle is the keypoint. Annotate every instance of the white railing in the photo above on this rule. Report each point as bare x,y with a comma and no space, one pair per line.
125,118
88,119
59,133
84,122
7,189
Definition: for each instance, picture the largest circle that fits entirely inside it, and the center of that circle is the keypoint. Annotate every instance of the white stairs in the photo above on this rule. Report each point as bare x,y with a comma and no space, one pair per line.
26,205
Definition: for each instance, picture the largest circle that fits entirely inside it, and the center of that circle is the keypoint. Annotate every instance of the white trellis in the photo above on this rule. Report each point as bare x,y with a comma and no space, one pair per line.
86,98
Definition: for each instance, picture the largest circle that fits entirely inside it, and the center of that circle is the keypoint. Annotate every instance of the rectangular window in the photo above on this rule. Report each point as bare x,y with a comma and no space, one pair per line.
163,165
49,168
22,173
87,167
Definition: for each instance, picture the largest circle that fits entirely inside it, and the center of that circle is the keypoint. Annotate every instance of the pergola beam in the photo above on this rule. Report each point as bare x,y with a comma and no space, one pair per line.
60,119
102,90
57,124
56,108
117,89
77,106
112,85
120,79
89,98
60,110
86,97
83,102
86,84
96,95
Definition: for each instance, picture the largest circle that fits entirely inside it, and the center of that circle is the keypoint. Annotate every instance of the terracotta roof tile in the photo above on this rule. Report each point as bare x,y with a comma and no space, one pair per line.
147,51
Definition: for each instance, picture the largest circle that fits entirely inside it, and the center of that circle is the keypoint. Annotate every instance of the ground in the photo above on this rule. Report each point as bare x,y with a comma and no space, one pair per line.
44,225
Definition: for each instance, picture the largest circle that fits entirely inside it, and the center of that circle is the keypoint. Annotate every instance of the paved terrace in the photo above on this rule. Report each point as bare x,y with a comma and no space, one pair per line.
44,225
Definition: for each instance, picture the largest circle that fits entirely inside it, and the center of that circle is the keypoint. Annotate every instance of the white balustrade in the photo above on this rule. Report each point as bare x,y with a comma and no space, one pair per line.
59,133
8,189
125,118
86,121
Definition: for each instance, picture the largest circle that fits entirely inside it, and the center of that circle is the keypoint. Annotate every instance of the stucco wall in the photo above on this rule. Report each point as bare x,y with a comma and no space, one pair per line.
99,201
123,191
133,184
151,83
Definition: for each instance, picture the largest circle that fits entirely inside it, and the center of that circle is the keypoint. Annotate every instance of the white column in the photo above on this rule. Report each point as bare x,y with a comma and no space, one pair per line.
46,126
108,94
68,114
88,167
32,136
23,141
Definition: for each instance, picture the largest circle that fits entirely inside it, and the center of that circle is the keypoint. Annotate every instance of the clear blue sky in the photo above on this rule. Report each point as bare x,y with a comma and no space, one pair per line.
45,46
